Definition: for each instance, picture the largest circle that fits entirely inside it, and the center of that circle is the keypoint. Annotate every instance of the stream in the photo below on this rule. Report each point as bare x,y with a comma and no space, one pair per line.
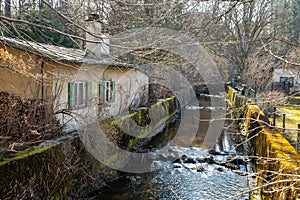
197,173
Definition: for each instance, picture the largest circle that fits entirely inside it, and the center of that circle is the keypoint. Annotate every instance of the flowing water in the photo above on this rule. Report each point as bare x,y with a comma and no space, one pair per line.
198,173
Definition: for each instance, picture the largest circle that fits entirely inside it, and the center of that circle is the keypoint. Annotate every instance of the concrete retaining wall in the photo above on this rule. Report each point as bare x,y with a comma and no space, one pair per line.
145,121
236,103
277,162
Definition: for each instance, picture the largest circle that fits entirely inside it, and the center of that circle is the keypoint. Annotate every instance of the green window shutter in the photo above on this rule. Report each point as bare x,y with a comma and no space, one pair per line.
101,92
113,92
89,93
71,95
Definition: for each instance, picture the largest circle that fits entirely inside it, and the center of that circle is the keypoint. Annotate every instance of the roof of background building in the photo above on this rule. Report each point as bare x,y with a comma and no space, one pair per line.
58,53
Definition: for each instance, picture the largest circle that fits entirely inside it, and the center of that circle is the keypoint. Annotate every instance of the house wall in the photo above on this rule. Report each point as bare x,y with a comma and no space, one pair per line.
26,80
127,82
57,75
287,73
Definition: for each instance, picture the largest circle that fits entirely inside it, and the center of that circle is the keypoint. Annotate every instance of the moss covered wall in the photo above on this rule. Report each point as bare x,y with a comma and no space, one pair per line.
148,120
236,103
53,172
21,176
277,162
66,169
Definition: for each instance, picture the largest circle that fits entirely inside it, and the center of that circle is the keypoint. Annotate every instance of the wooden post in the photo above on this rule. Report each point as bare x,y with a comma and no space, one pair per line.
274,117
268,110
298,138
283,122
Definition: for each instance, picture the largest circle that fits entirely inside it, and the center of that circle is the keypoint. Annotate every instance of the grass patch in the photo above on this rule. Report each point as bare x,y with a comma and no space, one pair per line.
294,100
292,119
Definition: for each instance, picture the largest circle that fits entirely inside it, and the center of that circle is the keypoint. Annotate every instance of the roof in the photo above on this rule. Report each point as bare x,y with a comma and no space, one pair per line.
59,53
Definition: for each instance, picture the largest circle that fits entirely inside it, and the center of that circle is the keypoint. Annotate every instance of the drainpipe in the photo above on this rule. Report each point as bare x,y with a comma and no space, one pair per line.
42,72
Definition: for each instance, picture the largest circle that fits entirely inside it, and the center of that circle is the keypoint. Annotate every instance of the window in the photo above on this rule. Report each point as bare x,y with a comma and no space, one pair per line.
289,80
107,92
79,94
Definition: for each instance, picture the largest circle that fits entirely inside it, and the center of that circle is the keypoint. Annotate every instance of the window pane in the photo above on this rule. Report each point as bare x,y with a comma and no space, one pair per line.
76,95
107,91
80,94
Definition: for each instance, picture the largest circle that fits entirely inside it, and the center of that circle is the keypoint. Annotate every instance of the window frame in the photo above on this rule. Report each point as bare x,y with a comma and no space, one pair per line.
79,93
80,97
288,79
107,91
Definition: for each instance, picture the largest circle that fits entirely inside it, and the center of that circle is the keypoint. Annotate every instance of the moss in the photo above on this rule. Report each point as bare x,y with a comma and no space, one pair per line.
236,103
163,110
35,172
149,131
269,143
231,94
26,153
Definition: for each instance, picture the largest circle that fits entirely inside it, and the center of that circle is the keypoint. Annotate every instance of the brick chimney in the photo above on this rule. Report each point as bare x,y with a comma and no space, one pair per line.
94,25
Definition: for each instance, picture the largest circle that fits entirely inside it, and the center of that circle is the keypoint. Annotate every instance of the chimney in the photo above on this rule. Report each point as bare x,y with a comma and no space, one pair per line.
94,25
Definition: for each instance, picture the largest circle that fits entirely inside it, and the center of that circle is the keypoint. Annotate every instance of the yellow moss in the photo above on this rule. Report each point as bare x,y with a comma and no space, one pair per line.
269,143
231,94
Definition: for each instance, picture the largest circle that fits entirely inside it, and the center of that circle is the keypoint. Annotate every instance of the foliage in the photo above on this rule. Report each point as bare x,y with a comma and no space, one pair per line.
43,17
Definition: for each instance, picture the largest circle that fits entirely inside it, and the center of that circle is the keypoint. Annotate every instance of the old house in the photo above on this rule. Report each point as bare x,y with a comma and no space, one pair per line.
287,79
70,81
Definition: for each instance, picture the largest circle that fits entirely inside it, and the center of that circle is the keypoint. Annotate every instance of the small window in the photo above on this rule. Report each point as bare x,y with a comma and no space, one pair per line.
79,94
107,92
290,80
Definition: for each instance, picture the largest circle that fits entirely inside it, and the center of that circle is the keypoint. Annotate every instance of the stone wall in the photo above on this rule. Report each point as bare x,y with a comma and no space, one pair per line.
63,168
56,171
276,161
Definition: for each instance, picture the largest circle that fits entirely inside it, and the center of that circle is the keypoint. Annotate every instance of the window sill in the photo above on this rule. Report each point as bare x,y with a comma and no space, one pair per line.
80,107
107,104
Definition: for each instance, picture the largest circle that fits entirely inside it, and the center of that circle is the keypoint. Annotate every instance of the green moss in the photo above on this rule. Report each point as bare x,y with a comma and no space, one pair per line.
164,110
125,141
26,153
149,131
34,169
